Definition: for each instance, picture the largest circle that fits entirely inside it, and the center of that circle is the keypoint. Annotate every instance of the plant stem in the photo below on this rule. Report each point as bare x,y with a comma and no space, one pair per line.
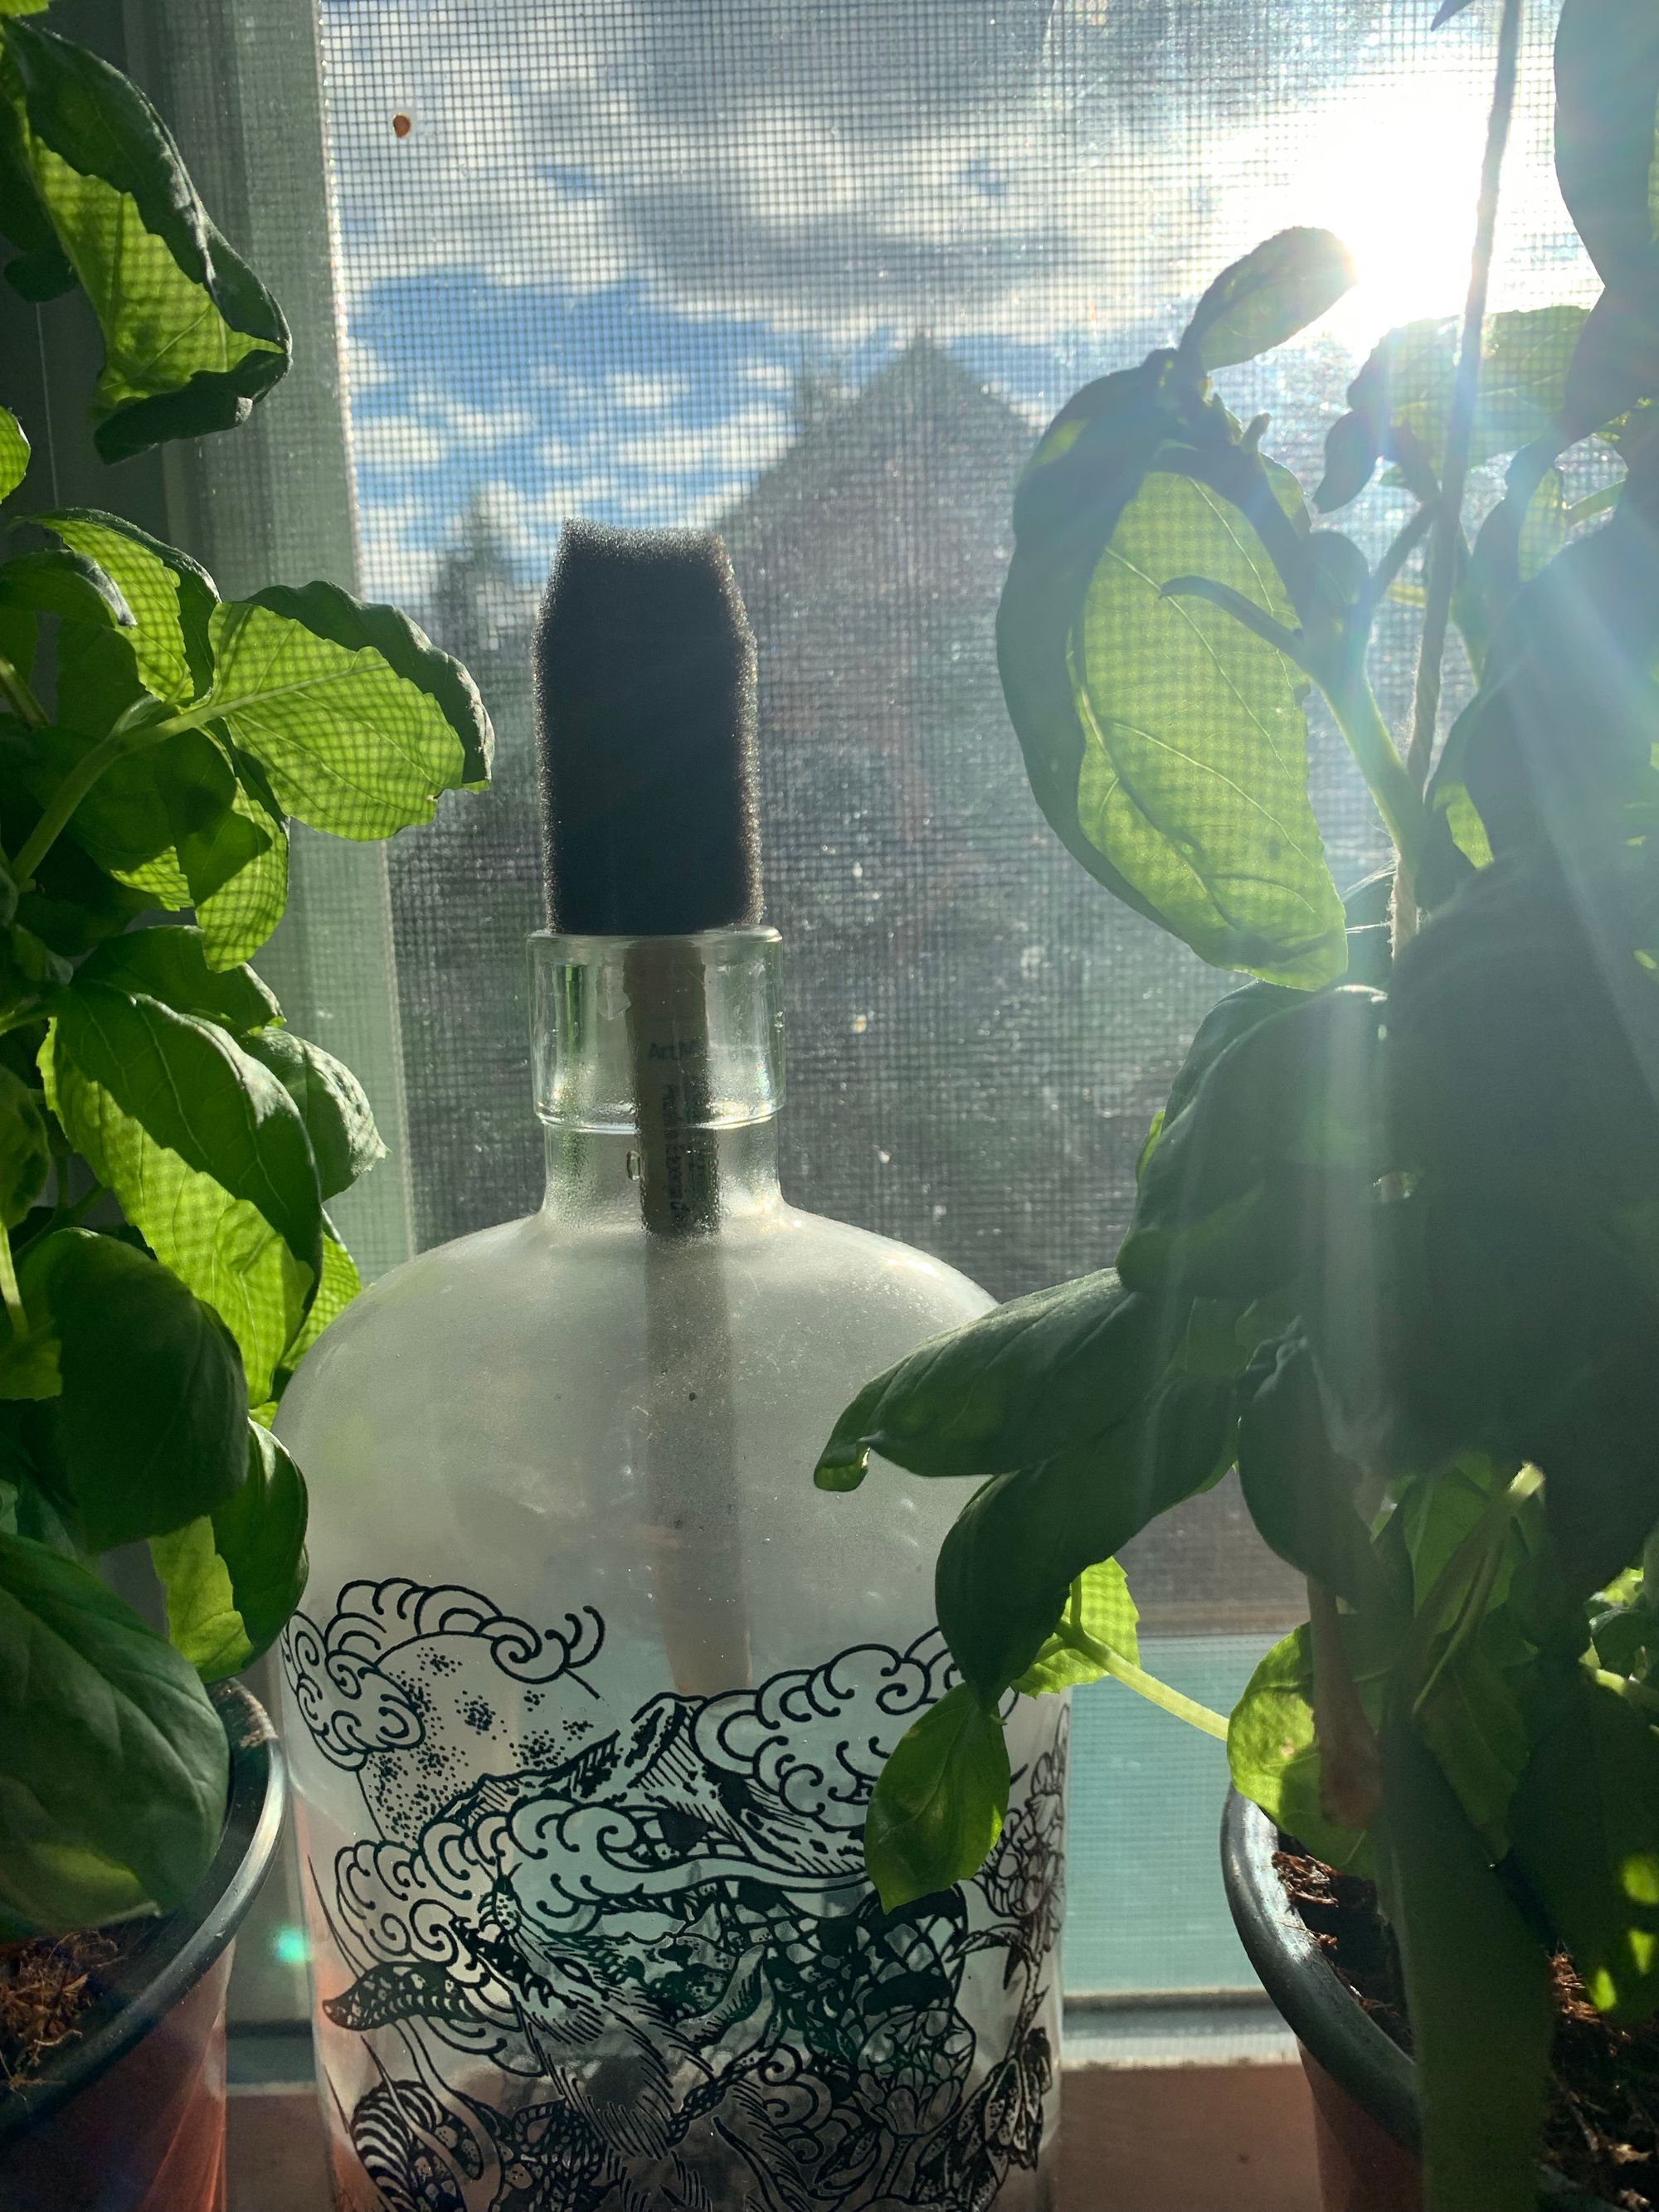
62,802
130,734
1159,1693
1446,543
19,698
1399,798
10,1296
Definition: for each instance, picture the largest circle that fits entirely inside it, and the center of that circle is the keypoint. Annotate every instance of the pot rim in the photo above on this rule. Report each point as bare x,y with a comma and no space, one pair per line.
1317,2006
181,1946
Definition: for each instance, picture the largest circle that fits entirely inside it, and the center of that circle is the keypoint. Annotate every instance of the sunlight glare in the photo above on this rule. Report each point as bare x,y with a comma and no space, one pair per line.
1391,166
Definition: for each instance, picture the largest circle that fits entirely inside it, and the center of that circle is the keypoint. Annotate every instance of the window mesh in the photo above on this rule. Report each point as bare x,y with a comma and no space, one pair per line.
814,272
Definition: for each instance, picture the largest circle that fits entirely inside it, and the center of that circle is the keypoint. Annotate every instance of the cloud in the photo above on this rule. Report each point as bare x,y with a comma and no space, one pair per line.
750,439
978,166
398,442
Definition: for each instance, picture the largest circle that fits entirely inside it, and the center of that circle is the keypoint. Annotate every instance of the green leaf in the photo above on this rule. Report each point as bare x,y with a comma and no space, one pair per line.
233,1578
1286,1116
1299,1489
14,453
1193,778
237,919
1473,1716
1272,1750
1024,1381
171,964
1139,464
1557,749
1400,400
1477,1989
358,720
123,823
149,1428
113,1766
205,1150
1585,1830
340,1284
344,1141
1100,1616
1284,284
170,596
25,1150
938,1805
1008,1562
61,582
1607,94
31,975
192,339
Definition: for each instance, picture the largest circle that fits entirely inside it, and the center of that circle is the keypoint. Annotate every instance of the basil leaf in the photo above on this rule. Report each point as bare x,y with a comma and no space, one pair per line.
358,720
1099,1612
14,453
1400,400
1606,96
236,918
171,964
25,1149
192,339
1167,741
1477,1989
1299,1489
205,1150
1021,1383
1473,1716
113,1766
333,1105
170,596
340,1284
63,583
1585,1830
1009,1560
1277,289
938,1805
31,974
1287,1115
1272,1753
165,820
232,1577
149,1429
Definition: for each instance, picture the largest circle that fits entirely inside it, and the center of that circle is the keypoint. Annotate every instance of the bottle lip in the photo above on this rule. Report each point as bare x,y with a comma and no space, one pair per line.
759,936
615,1018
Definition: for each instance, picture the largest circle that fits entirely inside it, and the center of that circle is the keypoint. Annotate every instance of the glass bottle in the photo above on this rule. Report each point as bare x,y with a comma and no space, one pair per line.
592,1684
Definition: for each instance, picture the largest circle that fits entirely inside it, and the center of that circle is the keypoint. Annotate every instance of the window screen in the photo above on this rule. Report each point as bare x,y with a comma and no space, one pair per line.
814,272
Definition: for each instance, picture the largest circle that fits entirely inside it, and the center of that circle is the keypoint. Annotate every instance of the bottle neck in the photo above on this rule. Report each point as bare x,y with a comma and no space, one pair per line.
659,1076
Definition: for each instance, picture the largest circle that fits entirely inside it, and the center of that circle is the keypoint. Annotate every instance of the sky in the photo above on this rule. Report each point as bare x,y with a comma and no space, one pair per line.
617,233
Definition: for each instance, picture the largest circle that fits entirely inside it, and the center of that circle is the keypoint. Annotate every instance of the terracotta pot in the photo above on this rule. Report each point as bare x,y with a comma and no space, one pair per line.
1366,2128
129,2116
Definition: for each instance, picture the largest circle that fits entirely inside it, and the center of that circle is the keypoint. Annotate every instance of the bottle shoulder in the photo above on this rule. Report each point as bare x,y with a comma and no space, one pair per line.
491,1300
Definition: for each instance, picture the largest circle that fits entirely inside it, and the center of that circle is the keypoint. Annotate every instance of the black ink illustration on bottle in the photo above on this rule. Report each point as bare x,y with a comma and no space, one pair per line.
574,1957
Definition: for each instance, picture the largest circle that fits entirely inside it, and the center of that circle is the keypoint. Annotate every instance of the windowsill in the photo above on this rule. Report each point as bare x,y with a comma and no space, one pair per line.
1191,2102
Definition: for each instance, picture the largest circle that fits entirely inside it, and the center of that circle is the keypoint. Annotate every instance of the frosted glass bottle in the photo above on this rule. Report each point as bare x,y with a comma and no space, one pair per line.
592,1684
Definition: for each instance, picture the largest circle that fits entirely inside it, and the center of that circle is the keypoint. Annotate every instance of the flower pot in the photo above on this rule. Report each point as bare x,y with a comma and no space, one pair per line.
1366,2127
130,2115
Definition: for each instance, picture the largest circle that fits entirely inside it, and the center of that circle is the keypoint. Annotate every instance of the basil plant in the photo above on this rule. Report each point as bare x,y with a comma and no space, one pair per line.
168,1147
1395,1249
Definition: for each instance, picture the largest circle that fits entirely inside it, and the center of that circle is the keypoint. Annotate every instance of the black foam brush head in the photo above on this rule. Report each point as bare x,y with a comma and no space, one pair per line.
645,693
